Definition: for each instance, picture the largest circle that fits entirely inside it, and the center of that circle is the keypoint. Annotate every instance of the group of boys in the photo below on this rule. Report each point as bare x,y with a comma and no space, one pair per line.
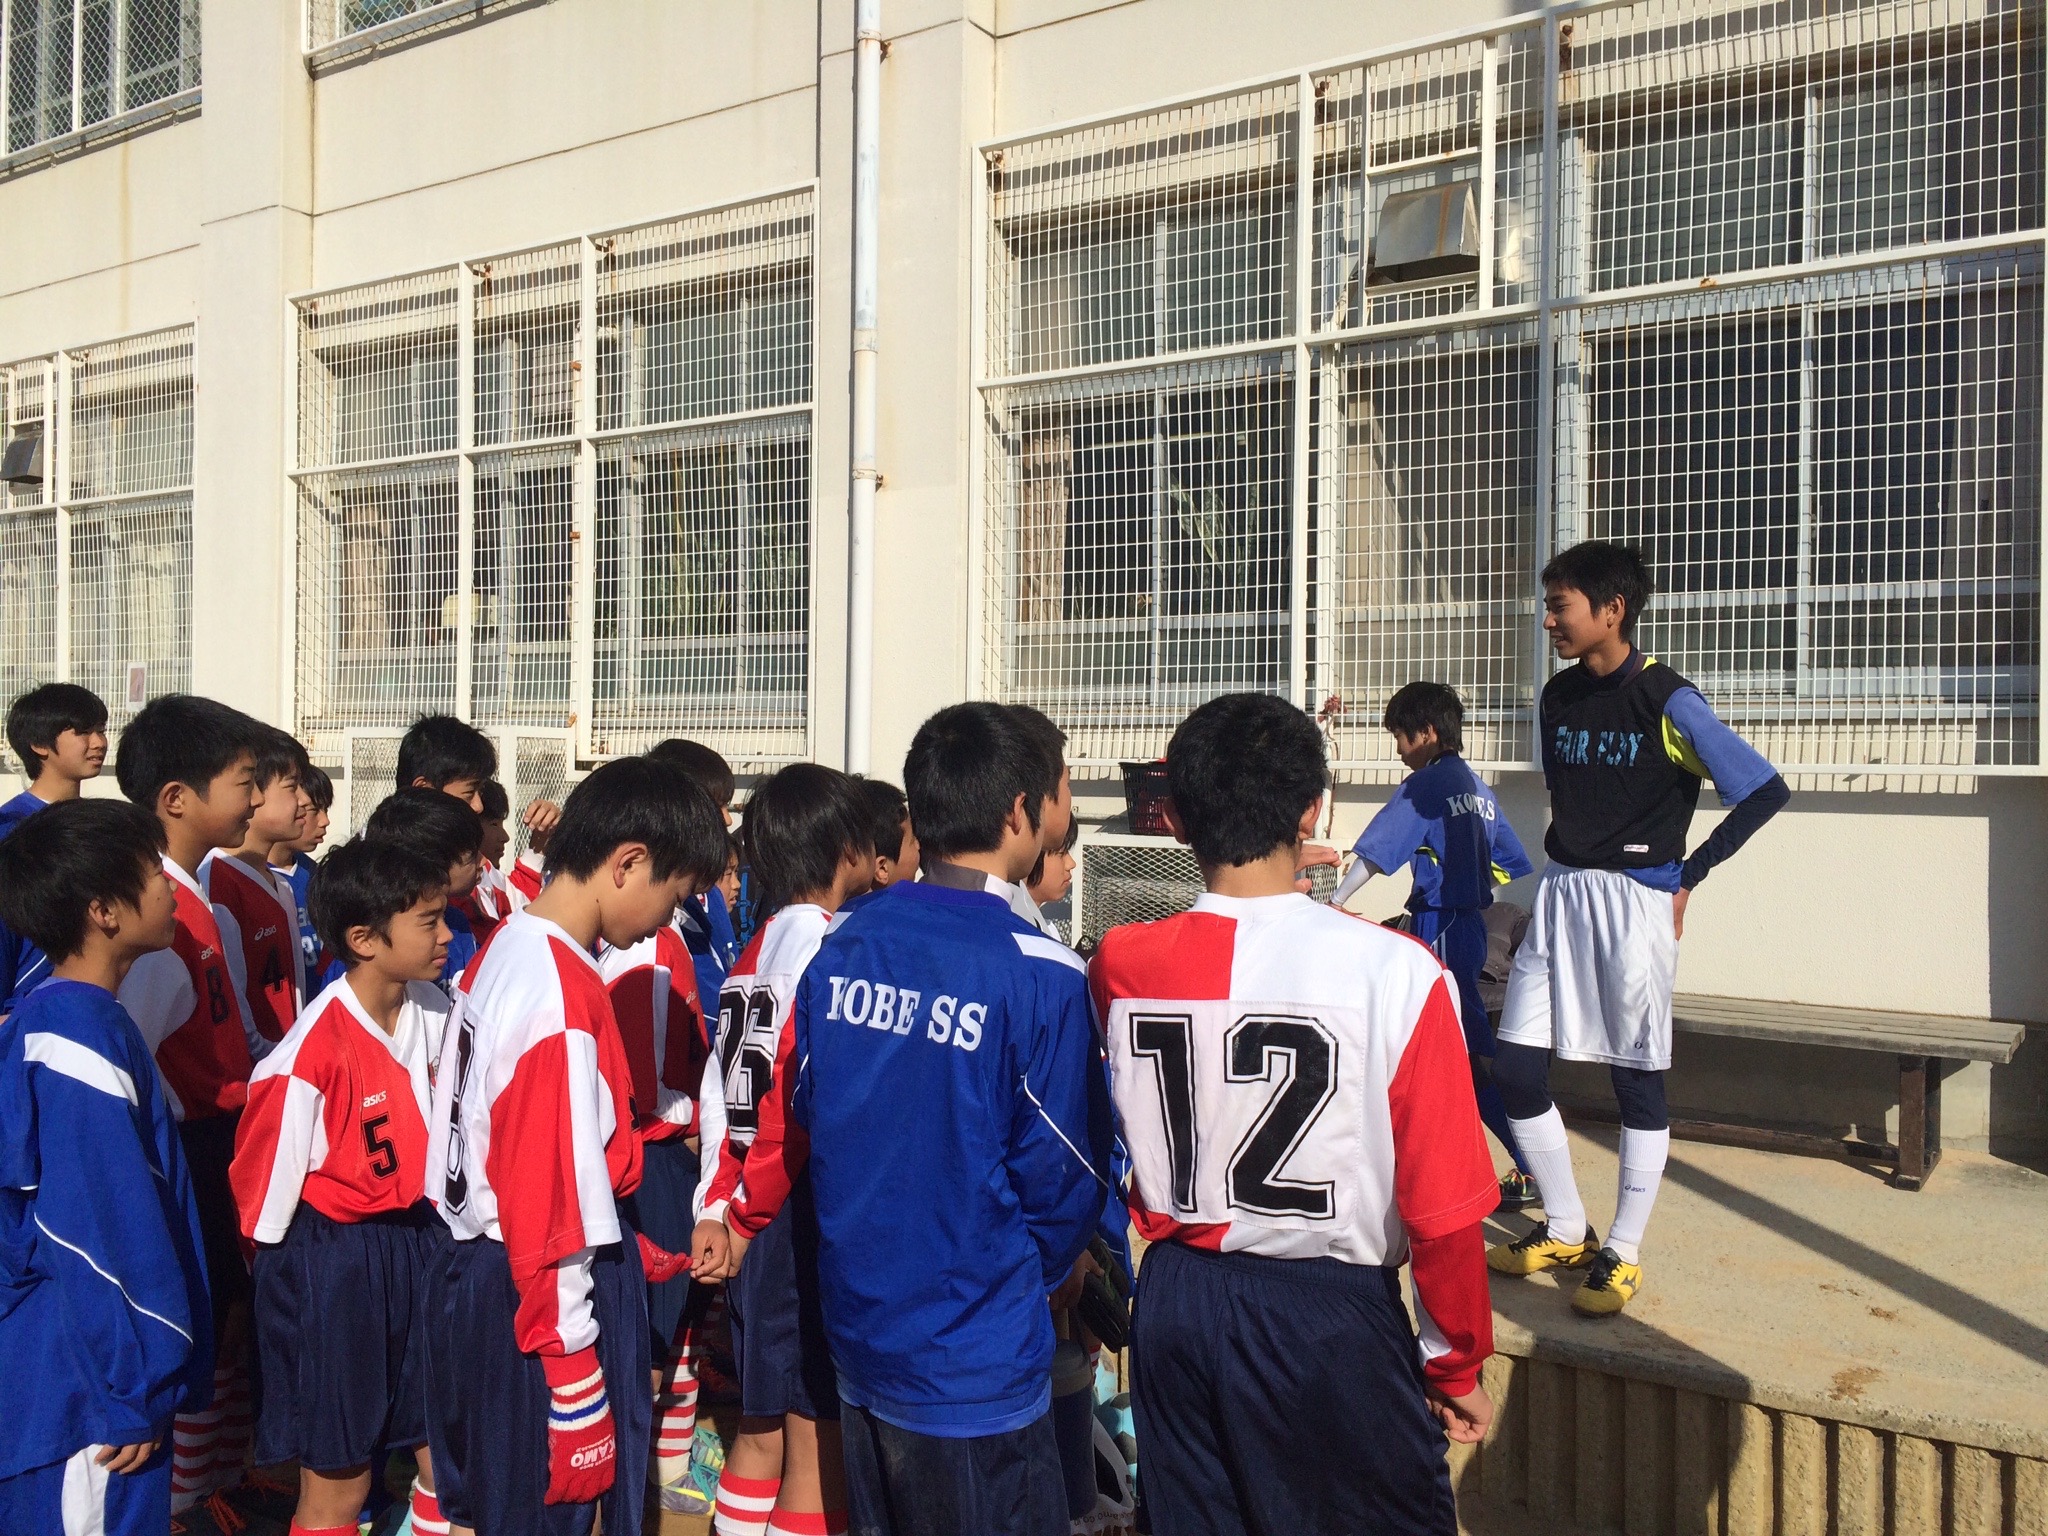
471,1178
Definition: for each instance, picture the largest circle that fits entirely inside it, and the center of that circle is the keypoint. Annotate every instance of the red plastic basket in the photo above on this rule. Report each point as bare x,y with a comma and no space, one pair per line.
1146,797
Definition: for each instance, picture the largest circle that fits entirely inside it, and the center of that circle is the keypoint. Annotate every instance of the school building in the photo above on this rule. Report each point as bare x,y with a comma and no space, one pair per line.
365,357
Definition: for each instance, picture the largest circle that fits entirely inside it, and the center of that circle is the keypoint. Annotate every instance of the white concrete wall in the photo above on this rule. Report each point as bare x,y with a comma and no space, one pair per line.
581,115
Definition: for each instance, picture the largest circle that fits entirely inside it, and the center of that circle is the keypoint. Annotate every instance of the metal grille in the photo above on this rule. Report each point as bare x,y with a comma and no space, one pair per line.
71,65
1125,879
338,29
540,767
452,458
372,774
1757,287
96,561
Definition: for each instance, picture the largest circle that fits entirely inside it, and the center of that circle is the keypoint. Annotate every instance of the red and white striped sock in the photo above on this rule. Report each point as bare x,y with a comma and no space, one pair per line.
237,1424
427,1519
744,1504
805,1522
675,1410
195,1440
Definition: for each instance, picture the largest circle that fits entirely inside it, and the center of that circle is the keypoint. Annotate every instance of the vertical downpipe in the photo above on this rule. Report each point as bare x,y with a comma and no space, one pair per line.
860,512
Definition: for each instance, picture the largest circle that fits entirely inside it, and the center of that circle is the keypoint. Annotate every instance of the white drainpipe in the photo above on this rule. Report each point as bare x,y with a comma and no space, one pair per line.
860,559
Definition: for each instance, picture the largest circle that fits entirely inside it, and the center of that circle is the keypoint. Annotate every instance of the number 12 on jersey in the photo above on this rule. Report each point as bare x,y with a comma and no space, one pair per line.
1249,1123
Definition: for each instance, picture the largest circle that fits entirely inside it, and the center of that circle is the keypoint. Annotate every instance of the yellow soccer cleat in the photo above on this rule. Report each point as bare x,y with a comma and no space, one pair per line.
1539,1251
1609,1286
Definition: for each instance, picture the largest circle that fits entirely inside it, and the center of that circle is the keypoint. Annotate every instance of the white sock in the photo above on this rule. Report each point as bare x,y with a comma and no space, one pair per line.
1642,1170
1550,1159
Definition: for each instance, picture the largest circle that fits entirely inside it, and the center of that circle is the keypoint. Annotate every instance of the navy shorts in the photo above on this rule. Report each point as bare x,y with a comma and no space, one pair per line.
1282,1396
209,1147
1459,938
661,1207
80,1496
487,1404
902,1483
340,1315
778,1325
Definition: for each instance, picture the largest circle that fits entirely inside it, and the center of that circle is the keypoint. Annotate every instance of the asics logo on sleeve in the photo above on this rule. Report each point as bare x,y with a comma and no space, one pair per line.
878,1005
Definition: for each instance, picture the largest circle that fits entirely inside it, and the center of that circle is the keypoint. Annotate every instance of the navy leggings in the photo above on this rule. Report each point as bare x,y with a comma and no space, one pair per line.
1522,1074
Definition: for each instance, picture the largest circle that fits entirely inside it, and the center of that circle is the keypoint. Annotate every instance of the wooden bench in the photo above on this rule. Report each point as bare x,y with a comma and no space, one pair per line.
1919,1041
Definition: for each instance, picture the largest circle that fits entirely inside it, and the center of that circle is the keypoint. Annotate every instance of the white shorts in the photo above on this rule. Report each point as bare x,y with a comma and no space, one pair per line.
1592,980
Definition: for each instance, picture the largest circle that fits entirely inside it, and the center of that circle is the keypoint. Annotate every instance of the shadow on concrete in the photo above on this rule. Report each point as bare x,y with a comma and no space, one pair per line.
1985,1319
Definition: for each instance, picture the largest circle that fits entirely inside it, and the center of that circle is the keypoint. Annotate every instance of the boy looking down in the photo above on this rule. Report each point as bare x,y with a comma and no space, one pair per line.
1293,1089
537,1376
105,1332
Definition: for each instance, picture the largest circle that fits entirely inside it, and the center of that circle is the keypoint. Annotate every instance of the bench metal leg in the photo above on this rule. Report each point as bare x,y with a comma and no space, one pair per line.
1919,1120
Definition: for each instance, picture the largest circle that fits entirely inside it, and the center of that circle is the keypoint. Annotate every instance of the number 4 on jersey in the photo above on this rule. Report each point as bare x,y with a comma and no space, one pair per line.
1258,1049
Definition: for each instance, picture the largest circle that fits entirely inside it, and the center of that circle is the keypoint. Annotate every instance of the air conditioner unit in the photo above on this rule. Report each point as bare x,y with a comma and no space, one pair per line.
22,463
1433,232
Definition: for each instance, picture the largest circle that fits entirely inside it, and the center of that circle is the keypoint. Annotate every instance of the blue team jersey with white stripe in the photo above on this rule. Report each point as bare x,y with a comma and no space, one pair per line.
959,1124
105,1328
1449,828
22,965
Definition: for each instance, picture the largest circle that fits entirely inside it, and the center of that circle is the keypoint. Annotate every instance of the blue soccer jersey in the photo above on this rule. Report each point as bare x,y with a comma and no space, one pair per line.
1448,827
22,965
100,1246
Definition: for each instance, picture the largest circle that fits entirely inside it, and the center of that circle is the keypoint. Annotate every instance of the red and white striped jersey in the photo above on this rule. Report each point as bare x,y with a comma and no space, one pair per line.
531,1135
191,1014
661,1024
754,1048
1291,1080
337,1114
497,895
259,930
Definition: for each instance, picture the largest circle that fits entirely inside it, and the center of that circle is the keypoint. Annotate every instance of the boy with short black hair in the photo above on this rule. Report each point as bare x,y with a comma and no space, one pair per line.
537,1386
109,1330
450,755
1626,744
889,820
329,1172
807,839
191,762
957,1222
707,917
1447,826
292,863
446,830
1322,1059
257,909
59,731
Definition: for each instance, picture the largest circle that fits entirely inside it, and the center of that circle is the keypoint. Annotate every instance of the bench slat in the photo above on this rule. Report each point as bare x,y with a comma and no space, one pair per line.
1908,1034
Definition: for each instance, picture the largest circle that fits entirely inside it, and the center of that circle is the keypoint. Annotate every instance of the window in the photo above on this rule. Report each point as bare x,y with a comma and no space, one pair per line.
70,65
451,463
96,561
342,30
1783,329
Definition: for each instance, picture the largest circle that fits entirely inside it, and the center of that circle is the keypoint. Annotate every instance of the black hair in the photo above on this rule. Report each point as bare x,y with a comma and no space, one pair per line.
181,738
1415,707
318,787
1242,769
438,826
1050,741
800,822
278,754
497,804
1603,572
638,800
41,715
712,772
439,749
63,859
887,811
365,883
967,765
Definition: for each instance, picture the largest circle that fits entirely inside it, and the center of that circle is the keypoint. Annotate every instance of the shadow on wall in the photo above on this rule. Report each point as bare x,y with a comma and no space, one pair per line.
2018,911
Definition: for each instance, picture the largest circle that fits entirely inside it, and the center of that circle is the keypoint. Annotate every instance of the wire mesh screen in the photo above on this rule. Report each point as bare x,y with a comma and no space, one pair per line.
540,770
1156,234
372,774
331,22
72,64
1783,328
1142,525
131,600
131,416
703,582
28,599
1142,880
438,550
25,412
